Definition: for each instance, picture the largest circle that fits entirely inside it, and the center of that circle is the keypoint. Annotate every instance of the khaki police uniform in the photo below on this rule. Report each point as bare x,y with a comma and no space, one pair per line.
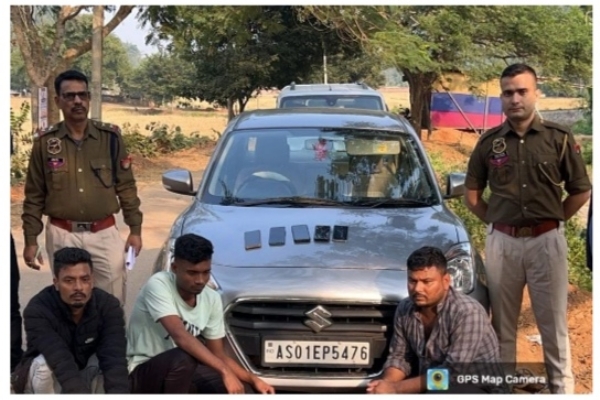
526,242
80,186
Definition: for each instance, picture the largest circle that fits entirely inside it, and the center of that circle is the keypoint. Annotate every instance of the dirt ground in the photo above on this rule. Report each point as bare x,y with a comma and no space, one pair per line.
455,146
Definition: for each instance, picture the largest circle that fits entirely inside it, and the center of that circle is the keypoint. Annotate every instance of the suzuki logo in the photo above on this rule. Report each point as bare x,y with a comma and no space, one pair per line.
318,319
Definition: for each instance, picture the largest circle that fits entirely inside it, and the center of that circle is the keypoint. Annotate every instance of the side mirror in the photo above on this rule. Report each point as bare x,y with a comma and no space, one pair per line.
179,181
455,185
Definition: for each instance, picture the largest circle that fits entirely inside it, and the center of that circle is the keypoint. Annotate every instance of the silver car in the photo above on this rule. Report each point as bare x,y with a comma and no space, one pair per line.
313,213
337,95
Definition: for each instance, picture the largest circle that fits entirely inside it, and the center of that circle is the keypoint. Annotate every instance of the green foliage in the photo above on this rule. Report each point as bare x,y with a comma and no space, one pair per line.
133,54
161,139
579,274
18,75
237,51
171,139
584,125
136,143
343,68
587,151
21,142
425,42
116,67
161,77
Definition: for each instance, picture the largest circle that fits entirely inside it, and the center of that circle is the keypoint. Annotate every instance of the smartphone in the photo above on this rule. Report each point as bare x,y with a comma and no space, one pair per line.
277,236
340,233
322,233
252,239
300,234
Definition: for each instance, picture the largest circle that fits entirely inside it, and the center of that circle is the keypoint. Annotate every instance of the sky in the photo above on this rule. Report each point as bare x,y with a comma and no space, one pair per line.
130,31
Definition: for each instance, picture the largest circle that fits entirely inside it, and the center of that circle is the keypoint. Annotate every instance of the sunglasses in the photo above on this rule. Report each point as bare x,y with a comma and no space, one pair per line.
70,96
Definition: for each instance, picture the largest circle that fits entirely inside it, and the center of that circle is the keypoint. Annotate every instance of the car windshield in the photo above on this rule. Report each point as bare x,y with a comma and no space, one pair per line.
320,167
336,101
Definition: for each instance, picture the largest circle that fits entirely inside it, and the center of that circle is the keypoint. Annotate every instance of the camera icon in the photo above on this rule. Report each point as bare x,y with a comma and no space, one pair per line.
437,379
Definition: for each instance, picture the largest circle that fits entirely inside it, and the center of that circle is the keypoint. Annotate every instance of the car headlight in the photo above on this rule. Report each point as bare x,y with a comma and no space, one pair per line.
461,267
167,260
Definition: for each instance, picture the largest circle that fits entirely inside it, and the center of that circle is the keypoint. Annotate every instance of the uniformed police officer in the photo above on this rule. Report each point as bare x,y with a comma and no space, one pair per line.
80,176
524,161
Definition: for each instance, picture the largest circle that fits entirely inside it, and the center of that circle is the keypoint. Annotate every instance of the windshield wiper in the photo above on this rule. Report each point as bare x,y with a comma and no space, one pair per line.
288,201
376,203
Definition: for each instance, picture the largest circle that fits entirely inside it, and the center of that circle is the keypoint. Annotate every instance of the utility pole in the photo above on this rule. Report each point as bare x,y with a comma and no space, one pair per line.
324,62
97,26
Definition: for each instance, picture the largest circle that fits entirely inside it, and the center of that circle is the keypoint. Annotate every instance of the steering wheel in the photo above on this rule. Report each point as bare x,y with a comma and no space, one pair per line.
266,182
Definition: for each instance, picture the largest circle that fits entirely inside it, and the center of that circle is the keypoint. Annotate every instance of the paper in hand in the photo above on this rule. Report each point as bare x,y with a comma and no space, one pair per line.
130,258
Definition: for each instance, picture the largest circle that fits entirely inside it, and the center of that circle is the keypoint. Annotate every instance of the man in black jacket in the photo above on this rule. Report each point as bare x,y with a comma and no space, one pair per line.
75,334
16,322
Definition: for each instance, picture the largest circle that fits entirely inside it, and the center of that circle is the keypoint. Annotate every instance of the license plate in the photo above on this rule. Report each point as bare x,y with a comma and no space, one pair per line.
304,352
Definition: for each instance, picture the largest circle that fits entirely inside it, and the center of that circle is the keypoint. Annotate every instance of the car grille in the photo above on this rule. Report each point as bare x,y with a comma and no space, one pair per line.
249,322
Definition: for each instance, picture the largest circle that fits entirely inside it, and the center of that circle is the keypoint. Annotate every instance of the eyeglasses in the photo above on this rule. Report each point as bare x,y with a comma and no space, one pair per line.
70,96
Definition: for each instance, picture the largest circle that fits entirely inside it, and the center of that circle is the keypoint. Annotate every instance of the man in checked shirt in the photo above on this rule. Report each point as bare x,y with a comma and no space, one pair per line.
437,327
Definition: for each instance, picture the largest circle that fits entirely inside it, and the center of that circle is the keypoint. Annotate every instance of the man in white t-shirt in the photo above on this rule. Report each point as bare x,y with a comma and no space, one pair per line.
174,310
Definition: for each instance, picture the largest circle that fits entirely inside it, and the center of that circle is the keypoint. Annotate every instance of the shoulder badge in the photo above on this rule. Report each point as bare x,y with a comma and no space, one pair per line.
554,125
41,132
107,127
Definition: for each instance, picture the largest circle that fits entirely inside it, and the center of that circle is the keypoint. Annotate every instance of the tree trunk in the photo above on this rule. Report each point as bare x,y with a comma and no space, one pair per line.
42,63
242,103
34,108
54,116
230,110
420,87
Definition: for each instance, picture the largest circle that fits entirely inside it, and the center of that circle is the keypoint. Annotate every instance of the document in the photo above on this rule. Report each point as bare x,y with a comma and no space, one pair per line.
130,258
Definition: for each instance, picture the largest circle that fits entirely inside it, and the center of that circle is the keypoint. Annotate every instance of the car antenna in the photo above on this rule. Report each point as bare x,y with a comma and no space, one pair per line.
293,86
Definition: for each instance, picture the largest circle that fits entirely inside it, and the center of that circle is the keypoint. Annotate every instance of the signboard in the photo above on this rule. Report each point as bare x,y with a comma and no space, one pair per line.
42,108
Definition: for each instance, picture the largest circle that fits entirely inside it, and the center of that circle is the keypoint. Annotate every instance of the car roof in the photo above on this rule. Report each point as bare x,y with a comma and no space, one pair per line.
354,89
320,118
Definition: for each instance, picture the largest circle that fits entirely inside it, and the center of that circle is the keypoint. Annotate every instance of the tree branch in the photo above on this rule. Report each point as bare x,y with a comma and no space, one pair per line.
73,13
28,40
86,46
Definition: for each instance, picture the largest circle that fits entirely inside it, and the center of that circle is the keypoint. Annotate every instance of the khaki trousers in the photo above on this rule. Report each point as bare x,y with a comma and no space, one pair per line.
541,263
108,255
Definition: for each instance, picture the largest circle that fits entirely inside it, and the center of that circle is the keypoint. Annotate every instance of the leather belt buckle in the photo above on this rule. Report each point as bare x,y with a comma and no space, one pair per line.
524,231
81,226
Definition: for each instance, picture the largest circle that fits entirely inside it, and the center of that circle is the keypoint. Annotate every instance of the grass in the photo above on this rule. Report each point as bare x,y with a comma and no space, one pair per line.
205,123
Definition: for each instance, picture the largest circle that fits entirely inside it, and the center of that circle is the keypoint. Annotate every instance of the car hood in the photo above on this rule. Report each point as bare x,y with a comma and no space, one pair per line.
306,284
380,239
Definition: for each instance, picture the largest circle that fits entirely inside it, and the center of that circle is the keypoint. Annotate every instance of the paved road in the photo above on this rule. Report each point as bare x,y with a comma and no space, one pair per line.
160,209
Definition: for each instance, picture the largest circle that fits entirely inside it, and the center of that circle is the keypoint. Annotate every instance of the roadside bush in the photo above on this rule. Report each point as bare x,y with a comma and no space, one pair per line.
161,140
587,151
22,142
579,275
137,143
583,126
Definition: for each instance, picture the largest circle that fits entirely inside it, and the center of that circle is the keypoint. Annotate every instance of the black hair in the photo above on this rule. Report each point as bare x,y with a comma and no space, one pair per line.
69,256
193,248
427,257
69,75
518,69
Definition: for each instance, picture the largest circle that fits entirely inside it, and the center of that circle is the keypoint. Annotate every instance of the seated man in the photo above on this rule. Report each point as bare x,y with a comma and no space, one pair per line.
75,334
437,327
175,334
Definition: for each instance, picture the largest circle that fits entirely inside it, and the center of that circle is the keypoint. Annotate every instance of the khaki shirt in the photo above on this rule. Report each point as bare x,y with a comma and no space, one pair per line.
525,175
75,182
